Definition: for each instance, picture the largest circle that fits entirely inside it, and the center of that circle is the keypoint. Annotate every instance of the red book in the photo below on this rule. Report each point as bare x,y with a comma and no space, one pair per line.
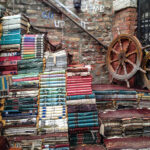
8,63
57,146
78,65
78,82
131,99
79,87
77,69
10,58
79,93
9,72
82,90
128,143
74,79
79,77
8,68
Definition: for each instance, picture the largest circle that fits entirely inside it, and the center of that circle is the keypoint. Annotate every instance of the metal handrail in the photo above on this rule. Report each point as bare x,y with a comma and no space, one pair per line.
50,3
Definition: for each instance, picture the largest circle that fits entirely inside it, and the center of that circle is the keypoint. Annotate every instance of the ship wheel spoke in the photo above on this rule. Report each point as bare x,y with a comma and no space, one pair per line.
130,62
125,69
121,46
116,70
128,46
113,50
131,53
147,69
112,61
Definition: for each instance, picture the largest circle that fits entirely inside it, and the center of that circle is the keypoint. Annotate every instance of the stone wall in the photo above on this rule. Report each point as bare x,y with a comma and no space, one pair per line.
96,16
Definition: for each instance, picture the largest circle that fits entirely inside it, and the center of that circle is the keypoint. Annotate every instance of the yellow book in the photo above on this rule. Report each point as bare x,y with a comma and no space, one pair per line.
1,29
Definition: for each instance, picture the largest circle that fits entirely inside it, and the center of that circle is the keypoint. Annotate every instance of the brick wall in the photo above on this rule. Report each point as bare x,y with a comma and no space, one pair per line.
125,18
97,18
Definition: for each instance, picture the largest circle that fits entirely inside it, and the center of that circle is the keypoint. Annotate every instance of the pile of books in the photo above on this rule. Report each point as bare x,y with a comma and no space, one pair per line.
82,112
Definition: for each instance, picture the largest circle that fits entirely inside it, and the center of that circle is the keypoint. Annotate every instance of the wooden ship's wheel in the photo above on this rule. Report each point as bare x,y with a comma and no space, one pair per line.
124,57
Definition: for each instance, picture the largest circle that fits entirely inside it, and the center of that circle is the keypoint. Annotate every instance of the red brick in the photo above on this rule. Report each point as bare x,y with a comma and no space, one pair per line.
98,72
100,62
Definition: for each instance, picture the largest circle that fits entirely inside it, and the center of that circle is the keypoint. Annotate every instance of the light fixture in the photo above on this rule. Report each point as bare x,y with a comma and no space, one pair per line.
77,4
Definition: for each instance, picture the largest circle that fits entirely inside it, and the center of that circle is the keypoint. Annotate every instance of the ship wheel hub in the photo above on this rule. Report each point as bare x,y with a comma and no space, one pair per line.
122,57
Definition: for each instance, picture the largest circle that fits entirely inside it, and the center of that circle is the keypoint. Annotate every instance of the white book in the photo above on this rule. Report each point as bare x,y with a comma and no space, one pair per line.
14,26
14,21
14,17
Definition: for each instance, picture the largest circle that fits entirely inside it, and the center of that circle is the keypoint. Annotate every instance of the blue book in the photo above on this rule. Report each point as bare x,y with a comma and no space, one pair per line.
82,117
52,104
44,111
29,38
53,96
3,83
51,101
44,107
14,31
114,92
82,114
52,82
8,42
45,116
116,96
10,37
83,121
83,125
81,97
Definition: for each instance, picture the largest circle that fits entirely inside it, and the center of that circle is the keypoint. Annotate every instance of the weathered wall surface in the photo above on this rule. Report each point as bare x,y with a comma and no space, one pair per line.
96,16
125,17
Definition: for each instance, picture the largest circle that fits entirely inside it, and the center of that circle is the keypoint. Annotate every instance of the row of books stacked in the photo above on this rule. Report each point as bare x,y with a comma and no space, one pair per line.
128,143
52,101
88,147
122,114
82,112
32,46
20,106
52,108
15,67
4,91
124,123
110,97
4,86
144,99
12,29
56,61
